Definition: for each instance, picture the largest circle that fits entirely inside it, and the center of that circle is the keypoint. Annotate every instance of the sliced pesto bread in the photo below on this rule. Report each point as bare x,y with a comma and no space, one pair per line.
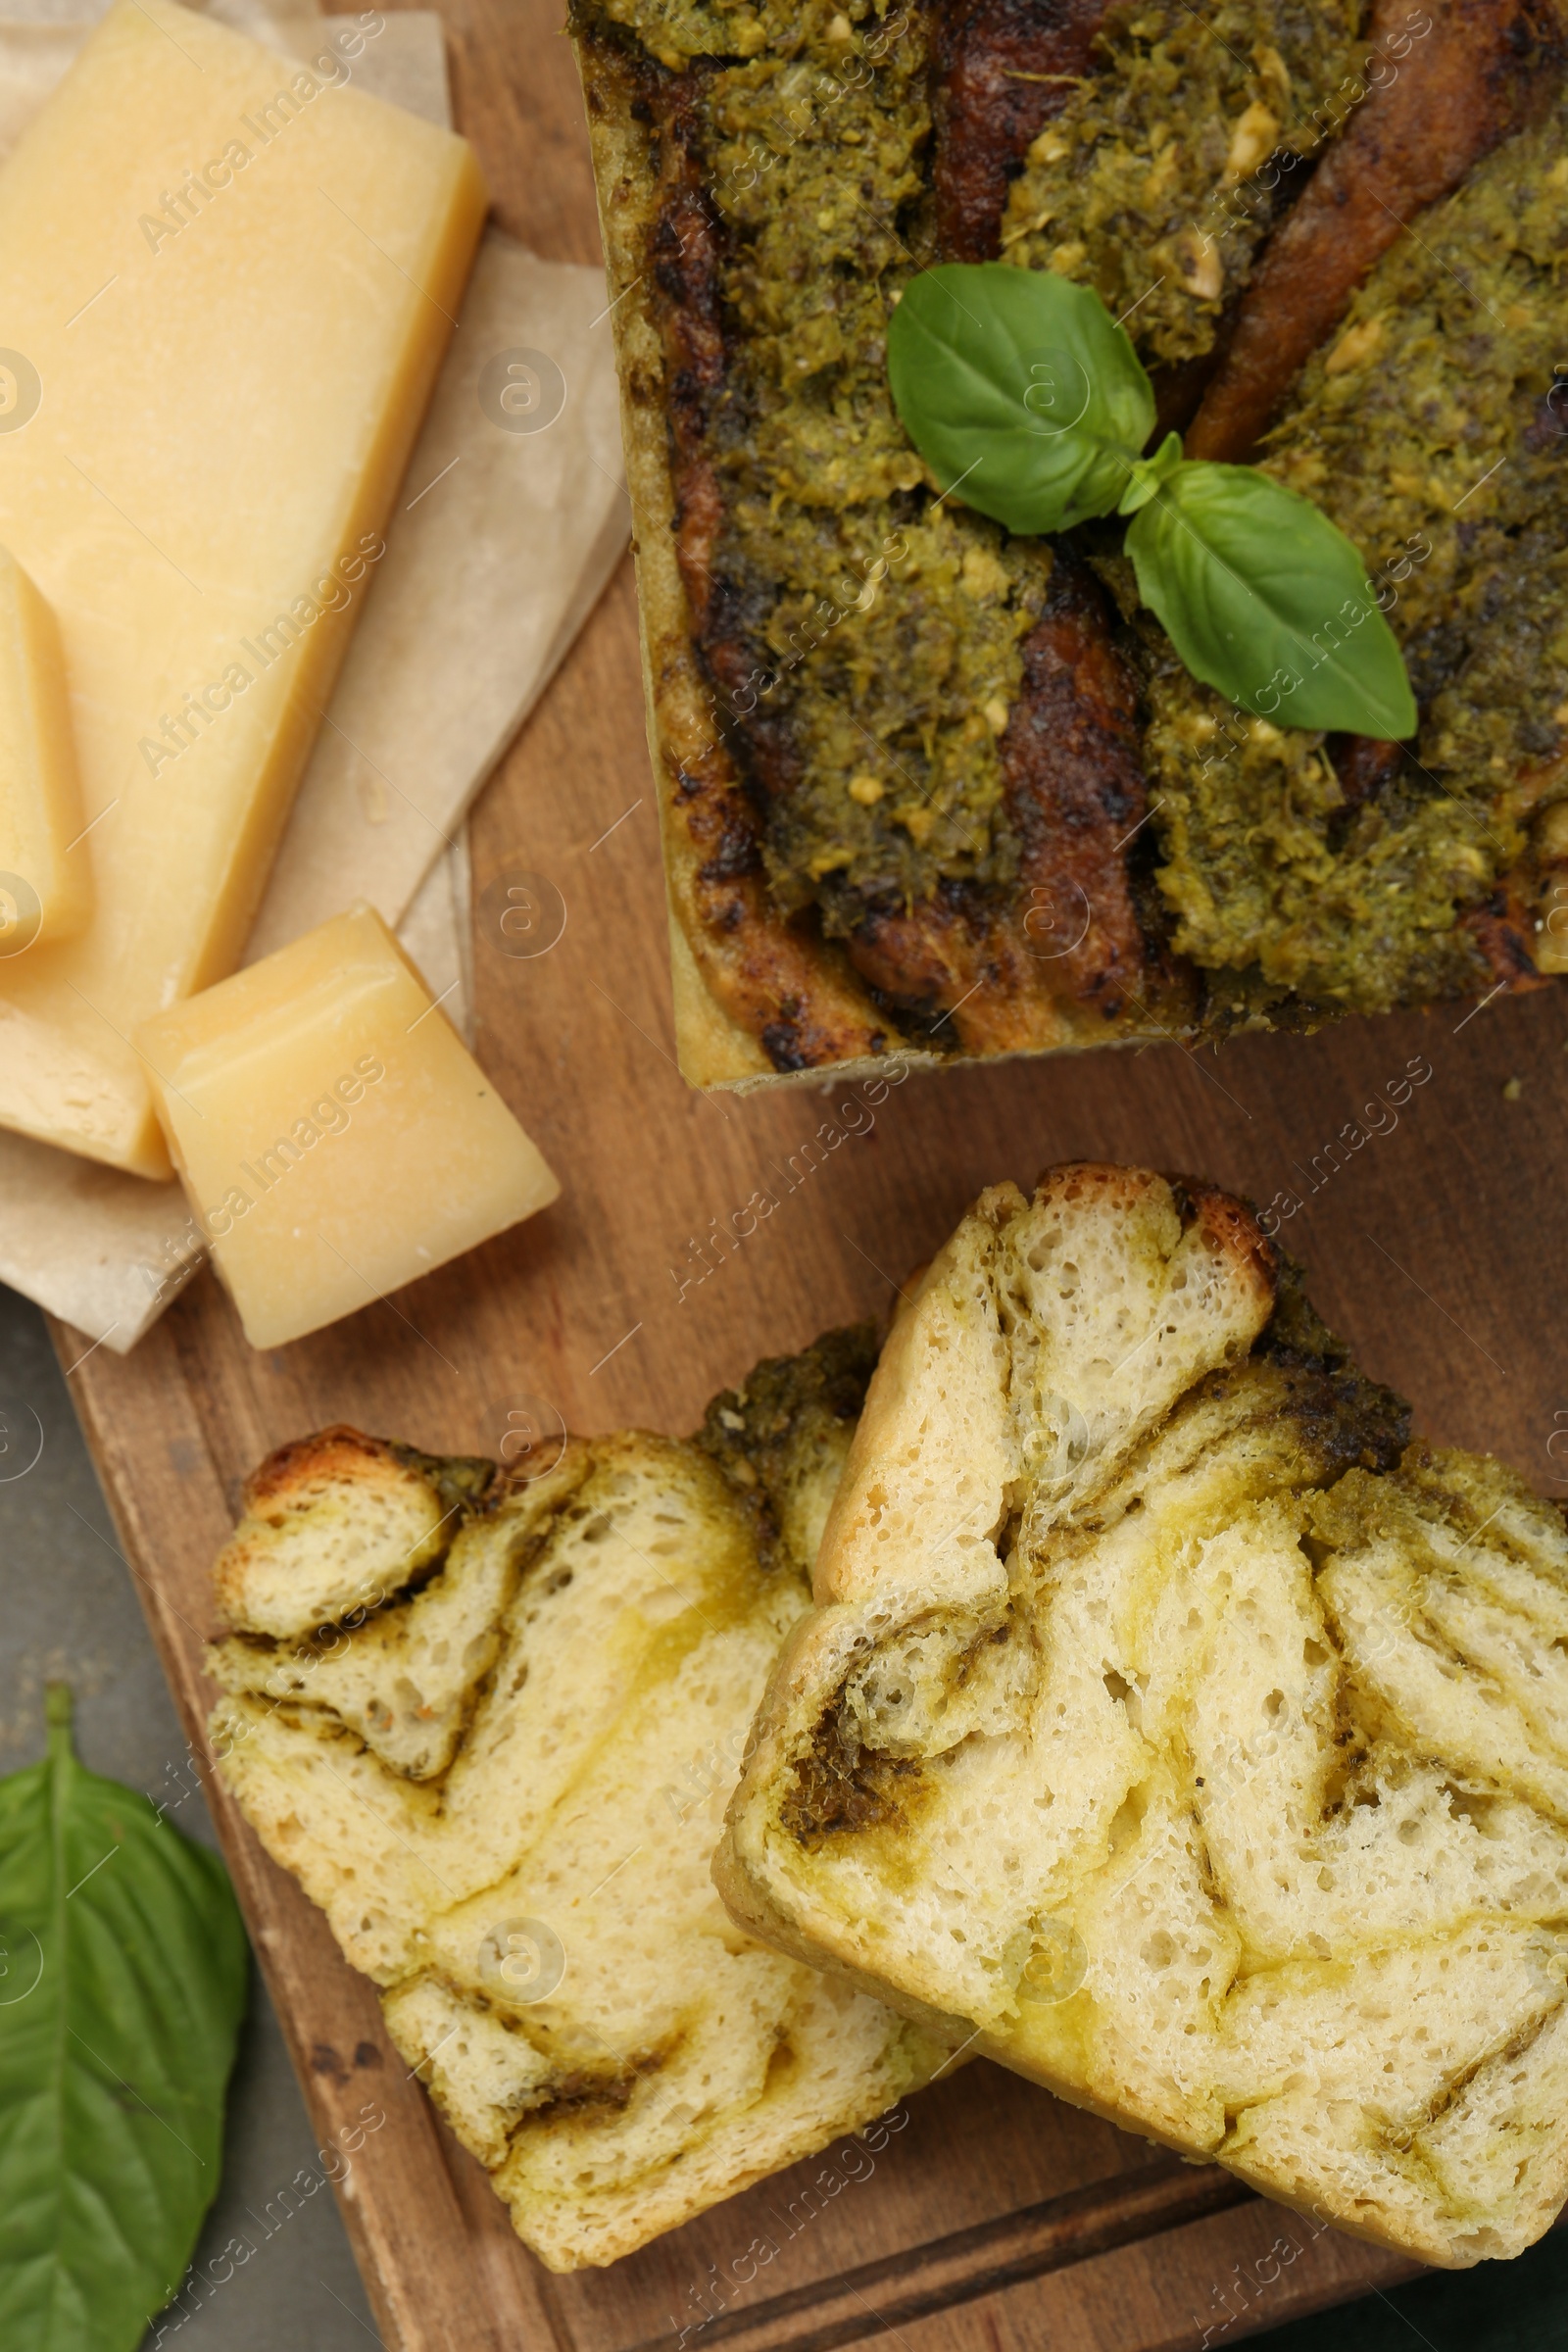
1174,1725
490,1721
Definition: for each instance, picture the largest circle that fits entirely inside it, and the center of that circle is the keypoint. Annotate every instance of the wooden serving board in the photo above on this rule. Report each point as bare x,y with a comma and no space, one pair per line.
992,2213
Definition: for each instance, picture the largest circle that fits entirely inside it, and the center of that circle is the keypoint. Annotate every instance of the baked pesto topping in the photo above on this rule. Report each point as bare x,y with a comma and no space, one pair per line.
1160,178
678,31
780,1439
1427,433
1433,417
884,626
874,631
896,691
814,161
1265,864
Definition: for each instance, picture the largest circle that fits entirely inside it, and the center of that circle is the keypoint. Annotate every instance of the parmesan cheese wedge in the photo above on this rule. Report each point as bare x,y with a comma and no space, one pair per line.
45,878
229,281
336,1138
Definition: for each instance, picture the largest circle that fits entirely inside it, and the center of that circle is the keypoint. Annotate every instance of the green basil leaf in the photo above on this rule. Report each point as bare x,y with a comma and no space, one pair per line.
125,1975
1266,599
1150,472
1019,391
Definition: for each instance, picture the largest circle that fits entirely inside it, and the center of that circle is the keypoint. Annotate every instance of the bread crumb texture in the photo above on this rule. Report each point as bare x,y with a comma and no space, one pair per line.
490,1721
1175,1725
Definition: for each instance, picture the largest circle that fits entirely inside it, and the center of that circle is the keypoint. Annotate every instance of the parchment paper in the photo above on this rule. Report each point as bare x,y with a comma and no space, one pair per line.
505,532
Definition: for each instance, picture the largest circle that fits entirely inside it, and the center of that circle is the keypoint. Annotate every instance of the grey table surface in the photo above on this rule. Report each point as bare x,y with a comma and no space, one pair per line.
69,1611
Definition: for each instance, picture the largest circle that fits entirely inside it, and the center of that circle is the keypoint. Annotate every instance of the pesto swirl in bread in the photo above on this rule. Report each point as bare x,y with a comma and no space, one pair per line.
1173,1727
490,1719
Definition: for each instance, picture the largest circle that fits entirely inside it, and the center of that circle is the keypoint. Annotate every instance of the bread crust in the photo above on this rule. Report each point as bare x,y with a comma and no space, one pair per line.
287,1473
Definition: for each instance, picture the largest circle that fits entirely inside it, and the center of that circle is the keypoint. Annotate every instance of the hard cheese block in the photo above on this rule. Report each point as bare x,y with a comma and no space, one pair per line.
228,282
335,1136
45,866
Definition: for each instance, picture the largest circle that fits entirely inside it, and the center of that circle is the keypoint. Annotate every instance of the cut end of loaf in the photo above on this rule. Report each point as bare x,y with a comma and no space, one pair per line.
1174,1722
490,1723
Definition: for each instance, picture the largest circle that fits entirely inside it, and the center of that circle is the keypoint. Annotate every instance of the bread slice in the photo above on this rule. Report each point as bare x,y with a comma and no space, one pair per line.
490,1721
1171,1726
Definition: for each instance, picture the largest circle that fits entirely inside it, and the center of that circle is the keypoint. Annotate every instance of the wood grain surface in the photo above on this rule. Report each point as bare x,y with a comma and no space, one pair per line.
995,2215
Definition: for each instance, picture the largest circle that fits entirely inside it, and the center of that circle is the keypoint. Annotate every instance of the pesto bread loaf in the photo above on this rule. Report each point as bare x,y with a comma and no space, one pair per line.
932,789
490,1720
1172,1725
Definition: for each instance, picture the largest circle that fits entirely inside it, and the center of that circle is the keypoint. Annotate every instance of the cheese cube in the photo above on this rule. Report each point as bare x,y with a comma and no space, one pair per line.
229,279
334,1135
45,867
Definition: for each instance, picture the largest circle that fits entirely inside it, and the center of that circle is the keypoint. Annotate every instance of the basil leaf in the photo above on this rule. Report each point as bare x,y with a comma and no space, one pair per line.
1019,392
1150,472
125,1979
1266,599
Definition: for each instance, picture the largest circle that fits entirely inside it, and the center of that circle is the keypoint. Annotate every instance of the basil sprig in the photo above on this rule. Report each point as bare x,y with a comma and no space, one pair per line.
122,1979
1028,402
